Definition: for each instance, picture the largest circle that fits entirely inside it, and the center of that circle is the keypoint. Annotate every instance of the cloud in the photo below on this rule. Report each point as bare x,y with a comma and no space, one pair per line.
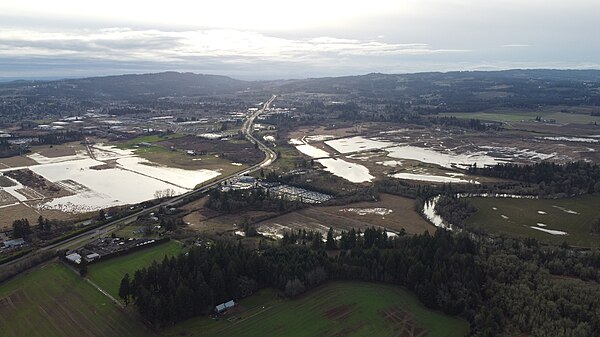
67,52
124,44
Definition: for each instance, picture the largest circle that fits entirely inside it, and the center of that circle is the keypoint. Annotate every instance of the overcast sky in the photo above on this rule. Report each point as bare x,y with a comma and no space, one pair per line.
264,39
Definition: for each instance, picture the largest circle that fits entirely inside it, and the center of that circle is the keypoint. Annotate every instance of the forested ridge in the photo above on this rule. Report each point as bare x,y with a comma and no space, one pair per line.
502,287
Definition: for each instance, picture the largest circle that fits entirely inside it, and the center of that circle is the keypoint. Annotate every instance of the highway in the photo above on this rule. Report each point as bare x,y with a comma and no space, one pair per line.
270,155
247,128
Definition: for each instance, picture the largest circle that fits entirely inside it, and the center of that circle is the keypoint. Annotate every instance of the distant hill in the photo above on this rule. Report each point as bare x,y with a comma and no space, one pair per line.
469,90
128,86
383,82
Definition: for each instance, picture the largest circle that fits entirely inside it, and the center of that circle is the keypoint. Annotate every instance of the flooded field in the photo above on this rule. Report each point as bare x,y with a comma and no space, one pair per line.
433,154
103,177
186,179
312,151
432,178
369,210
572,139
444,159
352,172
357,144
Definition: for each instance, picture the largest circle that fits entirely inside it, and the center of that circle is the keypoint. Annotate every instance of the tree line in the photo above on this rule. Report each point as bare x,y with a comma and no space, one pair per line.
454,210
503,288
255,198
551,179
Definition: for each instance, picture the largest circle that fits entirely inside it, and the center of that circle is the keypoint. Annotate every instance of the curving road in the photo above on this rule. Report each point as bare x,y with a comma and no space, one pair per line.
247,128
270,155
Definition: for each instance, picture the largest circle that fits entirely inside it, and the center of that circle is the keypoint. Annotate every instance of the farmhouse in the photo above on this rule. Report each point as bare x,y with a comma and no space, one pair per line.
16,243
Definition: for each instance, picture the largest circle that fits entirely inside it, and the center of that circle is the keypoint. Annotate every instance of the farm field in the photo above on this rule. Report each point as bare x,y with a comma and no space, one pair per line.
392,212
77,180
16,161
178,159
55,151
108,274
54,301
208,221
18,211
417,153
149,139
288,158
335,309
518,116
516,217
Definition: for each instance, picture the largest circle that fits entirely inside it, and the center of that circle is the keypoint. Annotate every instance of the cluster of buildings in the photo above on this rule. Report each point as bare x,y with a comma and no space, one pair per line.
106,247
276,190
296,193
8,245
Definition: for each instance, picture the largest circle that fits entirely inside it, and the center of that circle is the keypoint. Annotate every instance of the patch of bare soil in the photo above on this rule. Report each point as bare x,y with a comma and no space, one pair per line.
209,221
5,182
195,205
402,216
11,213
403,323
54,151
11,302
6,198
16,161
340,312
107,165
37,183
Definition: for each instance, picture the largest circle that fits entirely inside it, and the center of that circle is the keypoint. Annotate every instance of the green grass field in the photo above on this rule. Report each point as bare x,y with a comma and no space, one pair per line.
108,274
336,309
520,214
519,116
288,158
54,301
149,139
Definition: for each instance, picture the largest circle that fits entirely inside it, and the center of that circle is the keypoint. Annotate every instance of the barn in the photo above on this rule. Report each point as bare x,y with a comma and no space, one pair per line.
224,306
